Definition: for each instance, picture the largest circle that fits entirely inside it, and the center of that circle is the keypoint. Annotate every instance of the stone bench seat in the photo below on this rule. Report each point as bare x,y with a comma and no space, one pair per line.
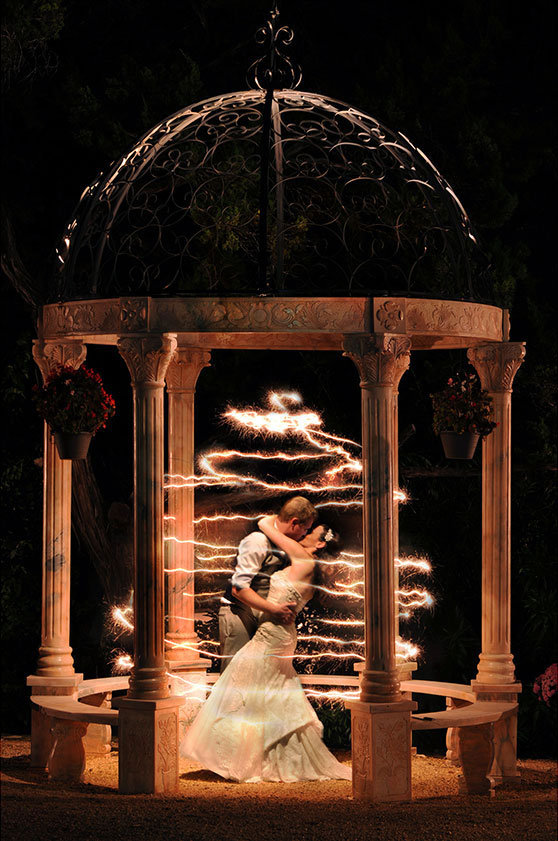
480,712
71,710
459,691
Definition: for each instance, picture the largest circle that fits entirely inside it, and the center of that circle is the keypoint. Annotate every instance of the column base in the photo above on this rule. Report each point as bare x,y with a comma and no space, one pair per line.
381,750
41,723
148,745
496,669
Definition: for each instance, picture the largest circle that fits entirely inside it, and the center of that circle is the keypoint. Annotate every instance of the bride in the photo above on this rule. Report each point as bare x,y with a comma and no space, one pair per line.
257,723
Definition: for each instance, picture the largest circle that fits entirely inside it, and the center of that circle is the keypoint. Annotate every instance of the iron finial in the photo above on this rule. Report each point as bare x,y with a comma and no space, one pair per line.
274,69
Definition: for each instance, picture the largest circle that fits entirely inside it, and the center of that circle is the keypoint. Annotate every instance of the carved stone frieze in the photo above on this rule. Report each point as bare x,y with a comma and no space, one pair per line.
381,358
453,318
147,357
260,315
458,323
361,749
391,747
497,364
48,355
166,759
185,367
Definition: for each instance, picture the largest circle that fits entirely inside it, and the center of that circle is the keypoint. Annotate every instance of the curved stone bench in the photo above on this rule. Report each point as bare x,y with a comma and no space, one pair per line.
80,727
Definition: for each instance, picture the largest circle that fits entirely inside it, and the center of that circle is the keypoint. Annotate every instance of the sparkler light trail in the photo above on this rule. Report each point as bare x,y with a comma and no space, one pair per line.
332,479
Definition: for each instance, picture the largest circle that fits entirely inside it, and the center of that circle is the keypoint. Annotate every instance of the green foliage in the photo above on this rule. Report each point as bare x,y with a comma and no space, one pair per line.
27,32
20,537
337,724
537,728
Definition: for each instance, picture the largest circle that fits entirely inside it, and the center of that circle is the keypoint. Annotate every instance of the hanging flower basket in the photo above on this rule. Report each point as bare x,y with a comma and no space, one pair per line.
75,405
72,445
462,415
459,445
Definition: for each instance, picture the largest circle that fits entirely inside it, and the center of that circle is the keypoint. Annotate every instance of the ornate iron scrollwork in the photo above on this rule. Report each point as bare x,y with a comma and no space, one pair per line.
271,190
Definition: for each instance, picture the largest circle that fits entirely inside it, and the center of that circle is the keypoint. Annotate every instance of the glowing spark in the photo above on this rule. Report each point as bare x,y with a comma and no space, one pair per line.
418,564
342,622
121,663
306,427
333,694
342,563
417,598
344,593
353,503
236,479
184,618
315,637
119,616
201,569
285,396
216,517
200,543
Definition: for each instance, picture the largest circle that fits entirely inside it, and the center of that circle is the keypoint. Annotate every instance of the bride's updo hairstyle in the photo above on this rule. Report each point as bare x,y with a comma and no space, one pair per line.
324,573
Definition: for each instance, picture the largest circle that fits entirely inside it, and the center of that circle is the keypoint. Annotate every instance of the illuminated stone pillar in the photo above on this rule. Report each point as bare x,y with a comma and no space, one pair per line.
188,669
182,376
148,717
55,673
381,719
497,365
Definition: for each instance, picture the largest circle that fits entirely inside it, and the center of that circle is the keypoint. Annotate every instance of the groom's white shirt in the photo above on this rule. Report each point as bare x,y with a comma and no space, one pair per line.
252,551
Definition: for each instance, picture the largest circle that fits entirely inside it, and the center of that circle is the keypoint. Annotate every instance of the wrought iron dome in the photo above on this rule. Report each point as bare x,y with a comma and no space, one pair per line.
270,190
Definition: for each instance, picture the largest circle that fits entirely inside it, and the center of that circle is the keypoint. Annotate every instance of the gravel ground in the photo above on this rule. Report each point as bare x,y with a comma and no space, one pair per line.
207,808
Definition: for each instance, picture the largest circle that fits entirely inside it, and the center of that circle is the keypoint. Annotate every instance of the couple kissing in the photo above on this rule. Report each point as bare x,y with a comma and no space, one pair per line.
257,724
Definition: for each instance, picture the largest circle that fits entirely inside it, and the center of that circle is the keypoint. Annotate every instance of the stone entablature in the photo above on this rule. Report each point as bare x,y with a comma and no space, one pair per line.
251,322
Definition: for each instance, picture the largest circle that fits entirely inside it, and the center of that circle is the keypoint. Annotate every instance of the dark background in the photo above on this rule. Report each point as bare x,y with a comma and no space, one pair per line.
470,84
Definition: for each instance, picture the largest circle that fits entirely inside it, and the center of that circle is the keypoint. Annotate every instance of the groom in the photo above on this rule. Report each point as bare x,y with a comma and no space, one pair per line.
246,592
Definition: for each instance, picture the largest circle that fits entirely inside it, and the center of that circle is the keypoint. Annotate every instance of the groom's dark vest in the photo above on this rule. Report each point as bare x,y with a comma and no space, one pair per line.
273,561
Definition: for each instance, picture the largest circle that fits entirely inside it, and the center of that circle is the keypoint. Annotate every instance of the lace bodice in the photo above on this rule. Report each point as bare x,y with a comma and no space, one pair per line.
282,589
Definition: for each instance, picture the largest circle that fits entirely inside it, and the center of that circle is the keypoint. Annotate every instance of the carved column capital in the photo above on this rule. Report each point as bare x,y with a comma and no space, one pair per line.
185,367
147,357
381,358
497,364
48,355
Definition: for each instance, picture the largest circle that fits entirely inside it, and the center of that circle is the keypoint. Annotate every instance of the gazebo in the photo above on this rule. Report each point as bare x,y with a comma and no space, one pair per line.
343,236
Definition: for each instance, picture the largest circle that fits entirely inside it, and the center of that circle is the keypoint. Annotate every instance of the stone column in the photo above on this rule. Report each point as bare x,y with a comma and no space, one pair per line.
182,376
497,365
148,718
381,719
188,669
55,673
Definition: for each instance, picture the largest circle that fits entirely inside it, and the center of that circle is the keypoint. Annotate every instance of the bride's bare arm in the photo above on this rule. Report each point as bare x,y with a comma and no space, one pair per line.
293,549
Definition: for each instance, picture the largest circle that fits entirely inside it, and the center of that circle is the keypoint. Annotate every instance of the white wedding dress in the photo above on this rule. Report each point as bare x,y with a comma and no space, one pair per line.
257,723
